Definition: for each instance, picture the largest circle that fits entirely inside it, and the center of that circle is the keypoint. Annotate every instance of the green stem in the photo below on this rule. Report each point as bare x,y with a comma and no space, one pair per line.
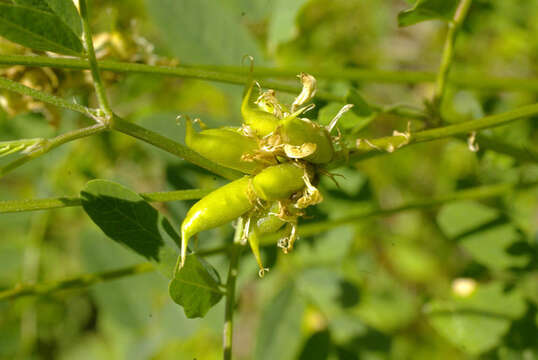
172,147
448,51
85,280
481,192
230,74
14,206
48,144
74,282
115,123
44,97
477,193
94,68
387,144
233,270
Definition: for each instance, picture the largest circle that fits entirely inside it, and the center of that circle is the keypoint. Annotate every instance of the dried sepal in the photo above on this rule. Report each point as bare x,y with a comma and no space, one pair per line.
308,91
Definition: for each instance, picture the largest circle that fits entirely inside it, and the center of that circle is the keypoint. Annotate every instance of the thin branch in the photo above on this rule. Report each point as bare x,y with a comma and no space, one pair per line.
171,146
88,44
115,123
231,74
14,206
448,51
76,282
476,193
44,97
235,253
85,280
48,144
365,149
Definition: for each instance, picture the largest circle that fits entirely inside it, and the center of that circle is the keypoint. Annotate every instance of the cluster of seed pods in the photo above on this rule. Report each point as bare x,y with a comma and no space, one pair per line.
279,152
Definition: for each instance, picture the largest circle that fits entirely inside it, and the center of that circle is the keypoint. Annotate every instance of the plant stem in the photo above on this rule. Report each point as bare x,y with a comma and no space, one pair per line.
171,146
476,193
14,206
115,123
235,252
74,282
88,44
48,144
86,280
448,51
388,144
44,97
229,74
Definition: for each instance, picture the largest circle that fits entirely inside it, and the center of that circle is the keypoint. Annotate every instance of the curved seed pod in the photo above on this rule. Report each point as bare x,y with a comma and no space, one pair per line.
278,182
297,131
265,223
261,121
217,208
225,146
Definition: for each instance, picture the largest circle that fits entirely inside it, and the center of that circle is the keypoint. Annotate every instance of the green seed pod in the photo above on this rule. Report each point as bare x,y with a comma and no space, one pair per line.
259,120
297,131
225,146
278,182
266,223
215,209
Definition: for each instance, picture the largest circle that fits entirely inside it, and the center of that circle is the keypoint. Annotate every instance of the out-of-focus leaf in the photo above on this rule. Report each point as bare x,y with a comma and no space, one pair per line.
428,10
37,29
458,218
385,304
476,323
279,333
317,346
413,262
196,287
360,106
126,218
282,26
489,246
203,31
322,287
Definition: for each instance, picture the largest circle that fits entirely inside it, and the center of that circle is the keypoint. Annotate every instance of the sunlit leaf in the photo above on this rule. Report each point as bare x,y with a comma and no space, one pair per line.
126,218
196,287
279,331
477,323
203,31
37,29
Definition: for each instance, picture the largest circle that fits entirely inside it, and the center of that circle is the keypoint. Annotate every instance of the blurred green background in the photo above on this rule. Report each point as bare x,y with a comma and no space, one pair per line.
382,288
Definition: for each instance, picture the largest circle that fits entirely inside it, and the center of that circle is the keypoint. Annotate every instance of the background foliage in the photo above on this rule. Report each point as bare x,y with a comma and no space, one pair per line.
380,288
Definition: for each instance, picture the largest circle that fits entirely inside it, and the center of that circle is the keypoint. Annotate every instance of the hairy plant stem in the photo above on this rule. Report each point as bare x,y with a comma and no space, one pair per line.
85,280
14,206
44,97
365,149
48,144
477,193
74,282
232,74
114,123
448,51
235,252
171,147
88,44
